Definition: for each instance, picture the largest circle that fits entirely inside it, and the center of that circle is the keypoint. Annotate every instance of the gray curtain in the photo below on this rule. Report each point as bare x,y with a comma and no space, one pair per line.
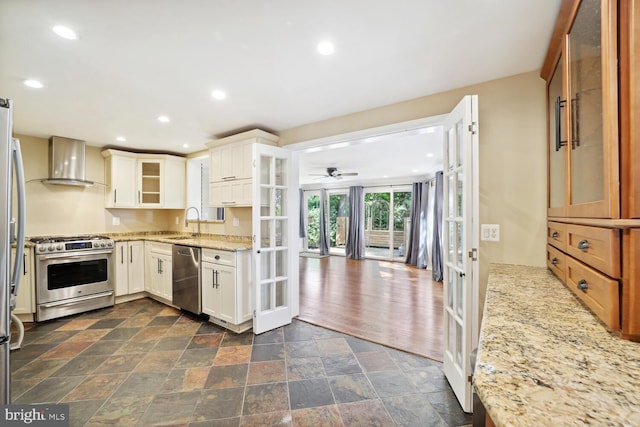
324,235
355,236
417,248
437,230
303,223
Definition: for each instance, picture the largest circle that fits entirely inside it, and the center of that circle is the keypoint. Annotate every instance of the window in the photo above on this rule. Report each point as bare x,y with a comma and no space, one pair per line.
198,191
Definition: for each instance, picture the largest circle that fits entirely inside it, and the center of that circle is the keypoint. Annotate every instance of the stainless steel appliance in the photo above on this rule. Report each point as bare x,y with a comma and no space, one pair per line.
73,275
186,278
10,232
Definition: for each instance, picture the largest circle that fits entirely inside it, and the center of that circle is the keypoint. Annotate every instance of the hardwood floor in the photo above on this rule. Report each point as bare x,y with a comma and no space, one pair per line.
385,302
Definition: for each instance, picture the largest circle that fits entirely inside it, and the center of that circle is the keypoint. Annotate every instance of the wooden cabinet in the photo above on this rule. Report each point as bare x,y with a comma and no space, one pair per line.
582,93
231,168
144,180
158,277
25,300
129,268
226,288
593,156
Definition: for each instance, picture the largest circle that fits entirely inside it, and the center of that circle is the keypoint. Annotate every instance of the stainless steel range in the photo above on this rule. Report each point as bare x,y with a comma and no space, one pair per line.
73,275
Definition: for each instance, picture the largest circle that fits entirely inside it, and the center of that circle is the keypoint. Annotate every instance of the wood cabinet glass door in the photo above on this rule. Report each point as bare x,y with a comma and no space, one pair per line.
557,146
593,113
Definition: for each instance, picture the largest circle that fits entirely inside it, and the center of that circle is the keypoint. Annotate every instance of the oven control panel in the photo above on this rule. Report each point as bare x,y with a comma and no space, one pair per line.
71,246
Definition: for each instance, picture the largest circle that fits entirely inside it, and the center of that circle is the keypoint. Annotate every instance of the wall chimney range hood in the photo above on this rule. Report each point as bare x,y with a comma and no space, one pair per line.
67,162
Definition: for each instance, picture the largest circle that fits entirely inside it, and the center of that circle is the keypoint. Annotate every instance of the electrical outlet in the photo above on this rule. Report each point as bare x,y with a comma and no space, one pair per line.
177,220
490,232
115,220
236,222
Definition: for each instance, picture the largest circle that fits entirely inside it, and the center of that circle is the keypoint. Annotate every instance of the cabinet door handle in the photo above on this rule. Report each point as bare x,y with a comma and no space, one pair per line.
229,177
583,245
139,197
559,142
213,279
130,255
121,254
554,261
575,125
24,264
115,195
583,285
555,234
217,257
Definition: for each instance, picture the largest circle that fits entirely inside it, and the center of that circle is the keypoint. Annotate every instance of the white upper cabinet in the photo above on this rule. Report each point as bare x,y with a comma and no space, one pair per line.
231,167
144,180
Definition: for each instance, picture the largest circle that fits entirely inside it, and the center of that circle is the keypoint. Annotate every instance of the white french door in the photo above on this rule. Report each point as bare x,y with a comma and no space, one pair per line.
460,215
275,218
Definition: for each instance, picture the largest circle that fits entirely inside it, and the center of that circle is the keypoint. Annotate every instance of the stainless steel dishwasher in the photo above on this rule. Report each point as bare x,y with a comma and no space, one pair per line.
186,278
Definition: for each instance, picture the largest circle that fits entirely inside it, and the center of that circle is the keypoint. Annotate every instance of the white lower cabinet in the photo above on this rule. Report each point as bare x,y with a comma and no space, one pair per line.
25,300
129,268
226,288
158,277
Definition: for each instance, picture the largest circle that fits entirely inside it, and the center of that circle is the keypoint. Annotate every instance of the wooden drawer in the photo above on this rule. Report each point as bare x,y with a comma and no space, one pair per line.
595,246
557,263
599,292
557,235
217,256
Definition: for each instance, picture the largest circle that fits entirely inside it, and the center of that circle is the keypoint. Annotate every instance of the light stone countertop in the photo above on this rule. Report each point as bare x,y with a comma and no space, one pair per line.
207,241
546,360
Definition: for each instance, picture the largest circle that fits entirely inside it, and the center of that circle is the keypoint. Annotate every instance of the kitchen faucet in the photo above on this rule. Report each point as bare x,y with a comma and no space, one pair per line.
186,220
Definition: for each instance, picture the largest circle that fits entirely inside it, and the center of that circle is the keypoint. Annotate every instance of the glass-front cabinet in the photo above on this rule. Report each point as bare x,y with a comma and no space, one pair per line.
583,110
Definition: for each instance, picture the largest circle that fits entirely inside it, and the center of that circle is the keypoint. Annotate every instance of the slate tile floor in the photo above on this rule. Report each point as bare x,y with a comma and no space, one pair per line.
142,363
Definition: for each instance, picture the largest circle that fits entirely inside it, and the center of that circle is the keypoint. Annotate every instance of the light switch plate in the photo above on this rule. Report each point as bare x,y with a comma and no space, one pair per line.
236,222
490,232
115,220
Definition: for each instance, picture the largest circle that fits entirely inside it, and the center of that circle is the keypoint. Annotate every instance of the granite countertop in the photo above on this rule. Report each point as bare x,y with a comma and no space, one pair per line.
207,241
544,359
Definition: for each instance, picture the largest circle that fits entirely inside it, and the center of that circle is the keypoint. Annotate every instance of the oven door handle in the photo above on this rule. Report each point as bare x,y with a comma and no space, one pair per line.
74,256
76,300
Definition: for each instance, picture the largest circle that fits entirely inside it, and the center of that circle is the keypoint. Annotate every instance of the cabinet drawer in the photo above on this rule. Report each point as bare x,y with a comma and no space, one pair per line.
557,235
599,292
219,257
597,247
159,248
557,263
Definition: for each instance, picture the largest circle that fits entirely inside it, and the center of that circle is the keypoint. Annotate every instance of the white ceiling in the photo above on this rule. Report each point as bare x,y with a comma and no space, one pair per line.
135,60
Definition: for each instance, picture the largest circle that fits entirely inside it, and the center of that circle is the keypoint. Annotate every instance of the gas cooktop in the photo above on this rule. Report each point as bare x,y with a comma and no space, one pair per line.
71,243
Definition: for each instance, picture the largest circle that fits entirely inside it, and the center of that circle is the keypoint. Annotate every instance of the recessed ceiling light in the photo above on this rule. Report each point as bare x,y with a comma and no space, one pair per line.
325,48
34,84
185,145
65,32
429,155
218,94
385,176
163,119
121,139
414,170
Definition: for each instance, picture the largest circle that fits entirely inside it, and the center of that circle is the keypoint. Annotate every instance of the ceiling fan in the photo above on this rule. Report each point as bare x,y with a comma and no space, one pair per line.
334,173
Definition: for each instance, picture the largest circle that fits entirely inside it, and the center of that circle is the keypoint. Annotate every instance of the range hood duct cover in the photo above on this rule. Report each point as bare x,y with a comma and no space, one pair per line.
67,162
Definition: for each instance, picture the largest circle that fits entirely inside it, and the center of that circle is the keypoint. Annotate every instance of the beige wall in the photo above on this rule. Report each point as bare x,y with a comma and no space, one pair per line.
512,159
61,209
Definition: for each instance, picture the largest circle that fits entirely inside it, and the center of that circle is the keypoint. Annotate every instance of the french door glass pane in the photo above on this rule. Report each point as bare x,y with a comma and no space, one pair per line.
281,293
281,236
281,266
265,170
338,220
265,304
313,221
452,196
281,177
265,265
281,201
377,208
265,233
401,222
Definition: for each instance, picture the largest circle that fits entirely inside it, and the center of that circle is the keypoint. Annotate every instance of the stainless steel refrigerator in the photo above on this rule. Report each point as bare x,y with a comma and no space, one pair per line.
11,232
